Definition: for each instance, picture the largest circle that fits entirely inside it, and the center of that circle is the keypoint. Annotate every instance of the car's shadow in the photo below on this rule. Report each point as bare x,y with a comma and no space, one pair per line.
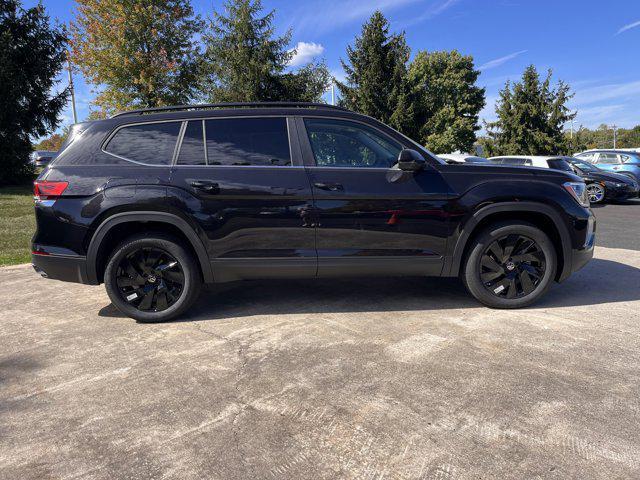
601,281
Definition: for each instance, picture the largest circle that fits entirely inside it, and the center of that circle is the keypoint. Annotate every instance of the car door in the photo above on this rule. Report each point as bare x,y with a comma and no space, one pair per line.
245,186
370,217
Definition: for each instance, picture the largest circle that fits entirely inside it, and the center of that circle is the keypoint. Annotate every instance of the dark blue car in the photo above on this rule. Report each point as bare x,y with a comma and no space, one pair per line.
618,161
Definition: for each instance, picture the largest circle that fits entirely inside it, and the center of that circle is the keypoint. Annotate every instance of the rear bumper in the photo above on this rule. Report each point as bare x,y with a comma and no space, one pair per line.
67,268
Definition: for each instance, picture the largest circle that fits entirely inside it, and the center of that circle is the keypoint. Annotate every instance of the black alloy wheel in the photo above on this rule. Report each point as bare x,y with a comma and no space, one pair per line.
150,279
512,266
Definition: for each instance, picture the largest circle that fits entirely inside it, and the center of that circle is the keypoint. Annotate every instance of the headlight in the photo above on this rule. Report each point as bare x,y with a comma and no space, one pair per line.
578,190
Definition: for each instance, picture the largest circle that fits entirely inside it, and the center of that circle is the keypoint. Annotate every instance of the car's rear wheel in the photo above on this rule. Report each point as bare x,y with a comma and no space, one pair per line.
510,265
596,192
152,278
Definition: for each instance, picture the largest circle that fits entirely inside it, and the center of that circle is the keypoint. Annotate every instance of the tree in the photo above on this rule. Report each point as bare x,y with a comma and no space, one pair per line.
244,61
446,101
531,116
32,54
137,53
53,142
376,74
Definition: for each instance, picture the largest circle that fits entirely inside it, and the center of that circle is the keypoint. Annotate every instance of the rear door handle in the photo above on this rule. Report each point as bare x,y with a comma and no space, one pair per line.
206,186
328,186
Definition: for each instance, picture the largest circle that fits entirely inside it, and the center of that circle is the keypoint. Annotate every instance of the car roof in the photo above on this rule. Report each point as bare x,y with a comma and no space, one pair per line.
530,157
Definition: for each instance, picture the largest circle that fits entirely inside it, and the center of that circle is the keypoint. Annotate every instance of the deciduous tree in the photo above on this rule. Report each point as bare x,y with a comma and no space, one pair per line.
446,100
137,53
32,54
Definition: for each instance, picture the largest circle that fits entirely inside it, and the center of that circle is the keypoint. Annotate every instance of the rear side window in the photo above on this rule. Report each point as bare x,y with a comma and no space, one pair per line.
247,141
150,143
192,147
559,164
608,158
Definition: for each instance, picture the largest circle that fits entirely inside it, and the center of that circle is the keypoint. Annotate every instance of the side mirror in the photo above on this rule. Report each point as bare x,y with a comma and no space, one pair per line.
410,160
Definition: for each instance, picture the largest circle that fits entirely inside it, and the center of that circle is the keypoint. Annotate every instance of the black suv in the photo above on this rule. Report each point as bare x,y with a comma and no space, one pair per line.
155,202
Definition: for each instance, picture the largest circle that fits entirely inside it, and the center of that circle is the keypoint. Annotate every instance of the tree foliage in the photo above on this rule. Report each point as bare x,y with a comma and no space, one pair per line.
32,54
376,74
531,117
602,137
446,101
137,53
245,61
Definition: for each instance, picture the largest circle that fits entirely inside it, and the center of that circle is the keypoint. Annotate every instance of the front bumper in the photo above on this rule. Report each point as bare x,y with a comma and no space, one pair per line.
68,268
581,256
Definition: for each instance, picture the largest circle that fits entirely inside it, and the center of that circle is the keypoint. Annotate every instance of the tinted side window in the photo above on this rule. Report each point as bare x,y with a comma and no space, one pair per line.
559,164
248,141
151,143
340,143
192,147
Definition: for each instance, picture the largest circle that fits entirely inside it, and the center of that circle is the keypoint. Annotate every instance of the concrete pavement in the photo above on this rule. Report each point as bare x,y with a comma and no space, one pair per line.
385,378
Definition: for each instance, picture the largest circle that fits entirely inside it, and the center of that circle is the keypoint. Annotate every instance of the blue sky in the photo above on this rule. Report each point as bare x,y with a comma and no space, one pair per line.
592,45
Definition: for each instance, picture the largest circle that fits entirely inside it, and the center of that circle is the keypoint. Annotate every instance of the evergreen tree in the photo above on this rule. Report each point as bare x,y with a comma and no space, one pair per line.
376,74
446,101
244,61
32,54
531,117
137,53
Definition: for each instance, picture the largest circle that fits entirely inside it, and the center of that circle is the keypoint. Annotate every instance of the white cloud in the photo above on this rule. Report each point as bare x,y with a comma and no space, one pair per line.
607,92
500,61
305,52
628,27
331,14
431,11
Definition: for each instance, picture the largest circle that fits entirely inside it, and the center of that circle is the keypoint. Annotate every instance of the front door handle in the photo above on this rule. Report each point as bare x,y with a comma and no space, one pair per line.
206,186
333,187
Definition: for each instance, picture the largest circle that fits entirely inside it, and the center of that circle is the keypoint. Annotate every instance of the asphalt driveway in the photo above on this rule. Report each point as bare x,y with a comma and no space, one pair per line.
405,378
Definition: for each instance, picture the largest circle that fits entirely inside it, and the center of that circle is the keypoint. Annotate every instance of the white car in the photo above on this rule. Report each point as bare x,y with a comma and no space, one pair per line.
453,158
555,162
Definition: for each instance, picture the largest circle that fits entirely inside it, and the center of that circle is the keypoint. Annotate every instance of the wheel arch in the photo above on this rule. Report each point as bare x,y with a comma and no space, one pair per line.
540,215
105,238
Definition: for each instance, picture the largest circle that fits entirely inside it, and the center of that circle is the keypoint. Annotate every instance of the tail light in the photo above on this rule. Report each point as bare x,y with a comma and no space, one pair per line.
44,190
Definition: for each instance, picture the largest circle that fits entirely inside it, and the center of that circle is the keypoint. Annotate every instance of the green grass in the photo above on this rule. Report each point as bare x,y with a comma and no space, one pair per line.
17,225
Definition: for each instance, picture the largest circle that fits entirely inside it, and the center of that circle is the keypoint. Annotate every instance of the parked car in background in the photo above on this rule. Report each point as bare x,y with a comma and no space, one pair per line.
42,158
603,185
555,162
461,158
155,202
618,161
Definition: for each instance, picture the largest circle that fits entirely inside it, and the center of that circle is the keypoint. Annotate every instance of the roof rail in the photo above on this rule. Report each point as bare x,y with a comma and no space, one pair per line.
211,106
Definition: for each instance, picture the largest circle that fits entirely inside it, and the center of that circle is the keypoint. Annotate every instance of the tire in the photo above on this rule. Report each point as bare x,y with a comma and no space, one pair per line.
596,193
152,278
512,280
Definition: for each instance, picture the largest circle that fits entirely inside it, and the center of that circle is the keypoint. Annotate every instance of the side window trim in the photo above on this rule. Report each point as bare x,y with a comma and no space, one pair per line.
309,158
204,142
178,146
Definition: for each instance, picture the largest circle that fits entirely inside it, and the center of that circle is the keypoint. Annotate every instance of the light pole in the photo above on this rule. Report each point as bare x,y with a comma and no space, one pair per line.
73,95
615,135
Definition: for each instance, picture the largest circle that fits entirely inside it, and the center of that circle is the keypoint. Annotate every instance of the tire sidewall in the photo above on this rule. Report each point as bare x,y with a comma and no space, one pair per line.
174,248
471,274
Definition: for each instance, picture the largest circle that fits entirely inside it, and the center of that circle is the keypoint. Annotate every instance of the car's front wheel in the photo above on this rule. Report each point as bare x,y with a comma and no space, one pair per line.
152,278
596,192
510,265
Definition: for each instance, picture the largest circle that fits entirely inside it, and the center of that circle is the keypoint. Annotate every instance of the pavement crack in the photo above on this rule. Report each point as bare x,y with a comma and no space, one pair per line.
241,352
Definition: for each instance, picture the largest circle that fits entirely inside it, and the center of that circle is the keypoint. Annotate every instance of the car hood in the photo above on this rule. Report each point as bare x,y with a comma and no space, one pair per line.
608,177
